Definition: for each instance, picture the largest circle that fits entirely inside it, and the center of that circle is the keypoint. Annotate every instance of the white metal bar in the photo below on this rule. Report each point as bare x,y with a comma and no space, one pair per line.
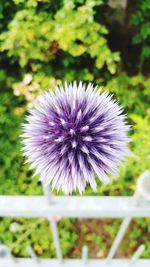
73,263
47,193
56,238
85,255
137,254
73,207
118,238
123,228
5,253
143,185
32,254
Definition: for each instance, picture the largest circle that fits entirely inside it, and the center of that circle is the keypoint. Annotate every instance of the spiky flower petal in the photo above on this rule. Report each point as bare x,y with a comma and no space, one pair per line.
73,134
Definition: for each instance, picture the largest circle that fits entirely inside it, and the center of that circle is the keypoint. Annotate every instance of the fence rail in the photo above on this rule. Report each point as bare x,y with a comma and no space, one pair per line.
77,207
74,263
74,207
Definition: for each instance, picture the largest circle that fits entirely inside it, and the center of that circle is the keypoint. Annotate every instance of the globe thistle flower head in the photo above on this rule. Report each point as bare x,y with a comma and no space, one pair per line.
73,134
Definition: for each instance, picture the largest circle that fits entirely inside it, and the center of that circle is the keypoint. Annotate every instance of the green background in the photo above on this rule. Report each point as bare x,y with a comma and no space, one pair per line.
42,44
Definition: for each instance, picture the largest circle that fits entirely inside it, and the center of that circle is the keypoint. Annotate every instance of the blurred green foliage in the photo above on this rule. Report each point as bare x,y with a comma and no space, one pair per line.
140,19
42,44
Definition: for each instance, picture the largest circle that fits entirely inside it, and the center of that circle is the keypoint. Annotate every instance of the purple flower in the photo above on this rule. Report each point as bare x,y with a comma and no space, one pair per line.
73,134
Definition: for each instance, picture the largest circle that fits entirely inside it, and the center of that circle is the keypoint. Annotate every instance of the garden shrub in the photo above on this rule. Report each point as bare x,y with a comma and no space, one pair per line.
44,43
140,19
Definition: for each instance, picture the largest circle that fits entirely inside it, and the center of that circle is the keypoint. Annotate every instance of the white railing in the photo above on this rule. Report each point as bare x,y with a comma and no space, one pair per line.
78,207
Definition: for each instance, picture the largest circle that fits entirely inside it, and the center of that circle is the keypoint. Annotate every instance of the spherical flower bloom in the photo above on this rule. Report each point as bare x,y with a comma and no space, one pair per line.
74,133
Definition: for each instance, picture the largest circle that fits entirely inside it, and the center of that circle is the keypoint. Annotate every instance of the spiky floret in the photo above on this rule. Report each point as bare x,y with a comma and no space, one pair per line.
73,134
